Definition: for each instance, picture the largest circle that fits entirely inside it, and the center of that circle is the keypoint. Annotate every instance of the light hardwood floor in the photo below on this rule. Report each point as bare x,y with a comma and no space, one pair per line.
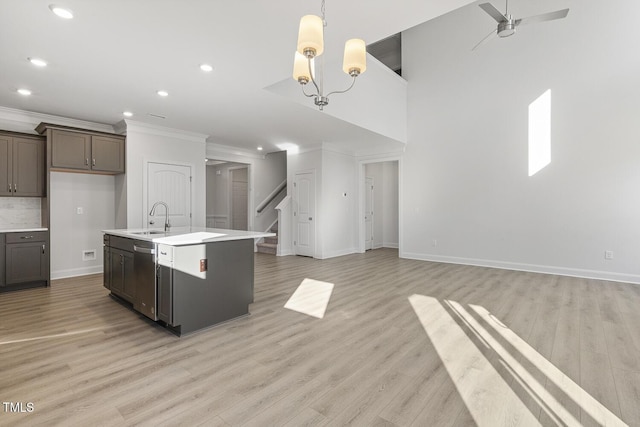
401,343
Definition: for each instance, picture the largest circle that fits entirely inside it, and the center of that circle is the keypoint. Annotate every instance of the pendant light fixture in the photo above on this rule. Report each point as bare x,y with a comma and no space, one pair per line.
311,45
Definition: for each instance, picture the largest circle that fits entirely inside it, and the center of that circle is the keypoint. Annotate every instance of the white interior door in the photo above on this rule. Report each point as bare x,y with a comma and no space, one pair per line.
170,184
368,214
239,198
304,211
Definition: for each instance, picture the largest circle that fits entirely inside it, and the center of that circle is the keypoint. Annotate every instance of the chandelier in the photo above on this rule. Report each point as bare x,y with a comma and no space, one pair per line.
311,45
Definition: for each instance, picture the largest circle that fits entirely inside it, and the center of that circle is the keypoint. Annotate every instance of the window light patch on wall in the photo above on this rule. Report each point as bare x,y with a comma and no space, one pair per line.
540,133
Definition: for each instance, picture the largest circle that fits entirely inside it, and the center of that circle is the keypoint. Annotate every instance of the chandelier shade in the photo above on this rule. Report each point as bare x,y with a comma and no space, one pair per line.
311,36
355,57
301,72
310,45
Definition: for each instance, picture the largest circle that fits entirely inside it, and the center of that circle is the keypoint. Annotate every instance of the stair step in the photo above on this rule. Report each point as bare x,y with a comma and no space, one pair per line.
267,248
272,240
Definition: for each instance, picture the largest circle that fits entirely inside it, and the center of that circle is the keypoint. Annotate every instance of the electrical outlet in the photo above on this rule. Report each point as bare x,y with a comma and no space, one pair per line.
434,243
608,254
79,210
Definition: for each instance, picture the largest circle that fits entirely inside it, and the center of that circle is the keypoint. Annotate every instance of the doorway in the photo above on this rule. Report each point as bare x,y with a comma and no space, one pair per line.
368,213
228,195
380,205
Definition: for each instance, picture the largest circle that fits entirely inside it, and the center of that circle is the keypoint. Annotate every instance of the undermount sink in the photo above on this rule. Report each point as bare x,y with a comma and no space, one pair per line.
147,233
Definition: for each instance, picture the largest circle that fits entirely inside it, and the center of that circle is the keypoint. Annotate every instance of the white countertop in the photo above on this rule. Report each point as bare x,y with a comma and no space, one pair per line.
179,236
21,230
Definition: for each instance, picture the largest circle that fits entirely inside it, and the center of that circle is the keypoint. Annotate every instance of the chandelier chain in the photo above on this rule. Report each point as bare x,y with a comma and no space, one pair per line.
322,9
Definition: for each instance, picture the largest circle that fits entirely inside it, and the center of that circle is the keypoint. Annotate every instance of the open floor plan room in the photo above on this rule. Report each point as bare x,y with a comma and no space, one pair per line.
368,339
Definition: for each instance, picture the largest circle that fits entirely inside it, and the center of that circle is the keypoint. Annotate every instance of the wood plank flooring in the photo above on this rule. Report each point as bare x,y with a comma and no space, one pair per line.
402,343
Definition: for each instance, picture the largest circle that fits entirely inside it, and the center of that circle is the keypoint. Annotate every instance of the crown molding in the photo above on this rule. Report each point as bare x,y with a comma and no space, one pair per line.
215,150
146,128
30,119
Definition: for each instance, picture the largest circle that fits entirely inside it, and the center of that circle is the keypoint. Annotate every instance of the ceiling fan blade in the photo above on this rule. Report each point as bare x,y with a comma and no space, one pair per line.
484,40
558,14
495,13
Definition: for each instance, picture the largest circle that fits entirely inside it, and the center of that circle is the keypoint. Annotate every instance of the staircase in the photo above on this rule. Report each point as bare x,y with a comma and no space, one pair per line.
270,244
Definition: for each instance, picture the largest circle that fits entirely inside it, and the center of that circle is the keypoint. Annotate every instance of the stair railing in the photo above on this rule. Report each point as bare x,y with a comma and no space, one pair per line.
279,189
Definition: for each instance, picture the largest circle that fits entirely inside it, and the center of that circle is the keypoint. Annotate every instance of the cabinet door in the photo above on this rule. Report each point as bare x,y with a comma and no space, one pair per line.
6,173
2,261
116,270
165,294
28,167
26,262
122,280
129,281
106,270
107,154
70,150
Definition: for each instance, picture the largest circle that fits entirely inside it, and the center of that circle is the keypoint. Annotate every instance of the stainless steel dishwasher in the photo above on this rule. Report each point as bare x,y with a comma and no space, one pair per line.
144,267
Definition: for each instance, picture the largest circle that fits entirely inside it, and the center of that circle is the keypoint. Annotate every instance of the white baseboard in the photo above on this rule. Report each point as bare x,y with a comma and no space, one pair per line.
390,245
74,272
545,269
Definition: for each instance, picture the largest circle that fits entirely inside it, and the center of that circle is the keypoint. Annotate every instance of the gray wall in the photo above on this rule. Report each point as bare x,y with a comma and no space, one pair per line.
465,172
73,233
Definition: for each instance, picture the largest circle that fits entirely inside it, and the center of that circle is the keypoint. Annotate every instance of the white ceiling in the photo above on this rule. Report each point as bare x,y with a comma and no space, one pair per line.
114,55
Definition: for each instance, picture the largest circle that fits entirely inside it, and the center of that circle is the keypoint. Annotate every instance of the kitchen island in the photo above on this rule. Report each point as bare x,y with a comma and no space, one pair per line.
185,279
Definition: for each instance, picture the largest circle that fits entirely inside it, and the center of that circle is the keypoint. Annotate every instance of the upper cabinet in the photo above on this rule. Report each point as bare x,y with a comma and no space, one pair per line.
77,150
21,165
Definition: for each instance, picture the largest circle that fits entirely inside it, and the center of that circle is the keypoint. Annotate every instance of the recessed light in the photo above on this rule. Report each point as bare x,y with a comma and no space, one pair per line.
25,92
61,11
127,113
163,93
260,148
38,62
206,68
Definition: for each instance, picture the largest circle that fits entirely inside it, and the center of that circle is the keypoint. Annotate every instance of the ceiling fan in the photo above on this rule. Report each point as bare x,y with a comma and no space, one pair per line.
507,24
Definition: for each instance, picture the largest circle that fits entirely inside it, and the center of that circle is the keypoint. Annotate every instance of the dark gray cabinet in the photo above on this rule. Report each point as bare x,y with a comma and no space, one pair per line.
78,150
21,166
26,258
70,150
122,277
75,150
2,261
118,267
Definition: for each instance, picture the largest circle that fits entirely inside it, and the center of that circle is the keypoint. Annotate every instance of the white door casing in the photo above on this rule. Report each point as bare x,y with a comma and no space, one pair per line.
304,206
368,213
171,184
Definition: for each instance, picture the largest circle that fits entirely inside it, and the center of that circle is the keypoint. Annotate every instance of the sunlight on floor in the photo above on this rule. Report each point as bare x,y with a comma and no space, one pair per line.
311,298
489,394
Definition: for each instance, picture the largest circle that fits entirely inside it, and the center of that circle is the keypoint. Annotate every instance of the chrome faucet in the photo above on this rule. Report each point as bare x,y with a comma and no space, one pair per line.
167,224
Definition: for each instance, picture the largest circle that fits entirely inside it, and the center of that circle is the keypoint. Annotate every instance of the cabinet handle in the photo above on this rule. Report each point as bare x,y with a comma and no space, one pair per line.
15,187
10,190
94,162
43,249
86,161
26,237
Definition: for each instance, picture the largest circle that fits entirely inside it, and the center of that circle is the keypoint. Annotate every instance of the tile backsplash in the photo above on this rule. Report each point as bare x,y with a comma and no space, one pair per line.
19,212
